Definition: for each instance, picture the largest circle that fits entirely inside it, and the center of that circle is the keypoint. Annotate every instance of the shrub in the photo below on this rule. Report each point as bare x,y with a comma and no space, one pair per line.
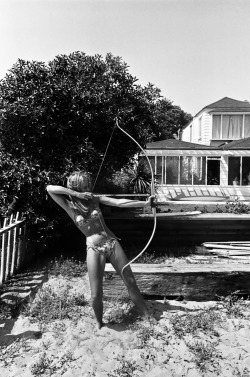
237,207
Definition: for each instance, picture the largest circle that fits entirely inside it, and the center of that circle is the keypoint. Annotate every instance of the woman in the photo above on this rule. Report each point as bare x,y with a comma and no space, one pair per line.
83,208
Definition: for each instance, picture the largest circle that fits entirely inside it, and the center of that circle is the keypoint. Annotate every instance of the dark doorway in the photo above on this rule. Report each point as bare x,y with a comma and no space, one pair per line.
213,172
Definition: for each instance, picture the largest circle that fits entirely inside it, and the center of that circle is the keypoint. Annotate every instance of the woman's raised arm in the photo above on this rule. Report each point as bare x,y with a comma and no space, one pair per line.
127,203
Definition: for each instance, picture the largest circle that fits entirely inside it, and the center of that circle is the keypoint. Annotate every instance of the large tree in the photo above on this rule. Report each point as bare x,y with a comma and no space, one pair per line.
62,114
59,116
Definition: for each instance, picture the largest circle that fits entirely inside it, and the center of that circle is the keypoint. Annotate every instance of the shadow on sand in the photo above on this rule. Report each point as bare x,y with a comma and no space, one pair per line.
13,294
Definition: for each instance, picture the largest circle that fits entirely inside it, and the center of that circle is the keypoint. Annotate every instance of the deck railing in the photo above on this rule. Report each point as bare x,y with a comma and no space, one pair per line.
13,246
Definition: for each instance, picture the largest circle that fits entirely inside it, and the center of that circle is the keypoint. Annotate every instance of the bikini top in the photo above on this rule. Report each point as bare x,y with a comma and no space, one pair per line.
85,212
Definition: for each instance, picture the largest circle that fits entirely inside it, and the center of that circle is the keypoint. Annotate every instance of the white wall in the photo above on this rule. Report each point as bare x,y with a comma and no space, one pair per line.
202,136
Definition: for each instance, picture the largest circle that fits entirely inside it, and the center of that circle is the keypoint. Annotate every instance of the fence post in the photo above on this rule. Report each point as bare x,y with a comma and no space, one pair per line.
21,234
9,251
14,247
3,252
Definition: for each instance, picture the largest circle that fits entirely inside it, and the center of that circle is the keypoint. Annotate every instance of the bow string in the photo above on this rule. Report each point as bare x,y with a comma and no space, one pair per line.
152,186
152,193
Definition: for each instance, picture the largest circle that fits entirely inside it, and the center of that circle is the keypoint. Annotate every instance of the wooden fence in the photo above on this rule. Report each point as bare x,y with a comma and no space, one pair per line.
13,238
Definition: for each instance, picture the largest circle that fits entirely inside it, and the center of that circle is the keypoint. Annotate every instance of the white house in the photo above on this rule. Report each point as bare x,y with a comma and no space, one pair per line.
220,122
212,160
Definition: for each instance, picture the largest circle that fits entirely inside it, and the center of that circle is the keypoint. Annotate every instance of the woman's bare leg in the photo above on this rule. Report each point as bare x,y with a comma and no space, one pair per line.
96,265
118,260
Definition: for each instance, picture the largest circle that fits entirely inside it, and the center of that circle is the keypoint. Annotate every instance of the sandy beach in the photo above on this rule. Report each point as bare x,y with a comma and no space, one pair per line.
191,339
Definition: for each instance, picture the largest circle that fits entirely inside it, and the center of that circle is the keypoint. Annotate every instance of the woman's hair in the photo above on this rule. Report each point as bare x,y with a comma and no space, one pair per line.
78,180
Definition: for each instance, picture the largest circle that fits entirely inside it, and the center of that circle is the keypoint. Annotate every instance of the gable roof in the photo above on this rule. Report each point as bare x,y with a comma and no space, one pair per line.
177,144
227,104
173,144
237,144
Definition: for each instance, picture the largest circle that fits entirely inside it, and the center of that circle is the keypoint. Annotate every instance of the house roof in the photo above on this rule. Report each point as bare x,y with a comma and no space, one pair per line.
227,104
173,144
177,144
237,144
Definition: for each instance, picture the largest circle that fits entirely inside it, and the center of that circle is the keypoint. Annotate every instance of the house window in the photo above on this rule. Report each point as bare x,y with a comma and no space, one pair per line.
245,171
185,170
238,171
199,170
234,174
159,170
247,126
171,169
152,162
199,129
230,126
216,129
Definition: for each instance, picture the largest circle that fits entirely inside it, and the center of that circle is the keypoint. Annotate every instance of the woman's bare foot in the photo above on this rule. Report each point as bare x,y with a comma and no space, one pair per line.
100,325
150,319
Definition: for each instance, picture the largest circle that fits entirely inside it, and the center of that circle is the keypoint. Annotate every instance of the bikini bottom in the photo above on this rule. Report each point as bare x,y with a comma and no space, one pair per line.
106,247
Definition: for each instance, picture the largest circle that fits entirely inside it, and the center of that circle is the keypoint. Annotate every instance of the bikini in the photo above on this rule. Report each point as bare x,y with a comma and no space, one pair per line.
83,216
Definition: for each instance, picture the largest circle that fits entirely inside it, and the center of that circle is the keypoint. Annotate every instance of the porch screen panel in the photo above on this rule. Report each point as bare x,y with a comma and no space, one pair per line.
199,170
185,170
247,126
216,127
232,126
171,169
159,177
152,162
234,170
245,171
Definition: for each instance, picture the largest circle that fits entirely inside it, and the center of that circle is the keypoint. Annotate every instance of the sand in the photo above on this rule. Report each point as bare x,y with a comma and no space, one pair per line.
127,346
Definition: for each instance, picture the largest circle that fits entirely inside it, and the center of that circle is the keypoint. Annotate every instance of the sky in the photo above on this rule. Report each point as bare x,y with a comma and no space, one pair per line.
195,51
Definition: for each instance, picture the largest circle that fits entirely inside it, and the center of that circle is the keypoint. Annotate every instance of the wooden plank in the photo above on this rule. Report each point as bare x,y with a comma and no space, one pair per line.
11,226
231,242
3,252
170,214
8,254
14,250
181,267
229,247
229,252
191,281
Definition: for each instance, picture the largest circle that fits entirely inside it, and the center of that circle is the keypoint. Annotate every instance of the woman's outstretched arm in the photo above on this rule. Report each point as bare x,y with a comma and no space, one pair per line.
126,203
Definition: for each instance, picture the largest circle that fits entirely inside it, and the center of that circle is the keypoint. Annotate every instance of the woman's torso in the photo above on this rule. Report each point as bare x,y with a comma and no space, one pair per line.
88,218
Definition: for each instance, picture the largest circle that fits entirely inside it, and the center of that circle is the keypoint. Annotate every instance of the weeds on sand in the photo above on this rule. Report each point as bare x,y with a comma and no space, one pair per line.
42,366
204,320
147,334
50,305
205,354
120,310
5,310
69,267
46,365
126,368
234,305
241,373
9,353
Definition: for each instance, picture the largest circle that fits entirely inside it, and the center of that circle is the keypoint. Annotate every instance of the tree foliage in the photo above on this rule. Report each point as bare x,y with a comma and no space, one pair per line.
59,116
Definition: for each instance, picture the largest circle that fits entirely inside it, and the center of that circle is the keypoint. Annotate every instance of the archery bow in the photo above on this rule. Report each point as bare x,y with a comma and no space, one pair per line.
152,193
152,187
